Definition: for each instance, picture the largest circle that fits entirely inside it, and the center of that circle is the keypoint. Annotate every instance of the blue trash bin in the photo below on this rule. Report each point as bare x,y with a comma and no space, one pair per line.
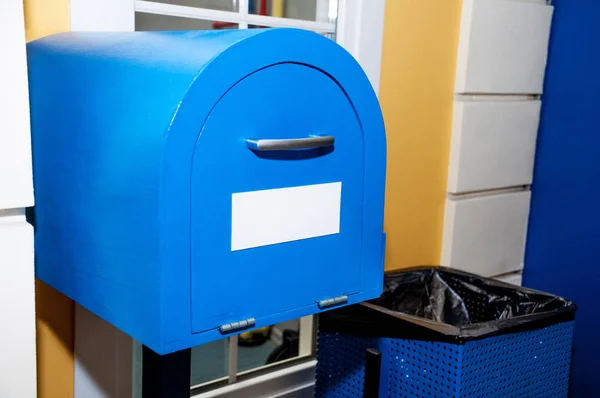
515,342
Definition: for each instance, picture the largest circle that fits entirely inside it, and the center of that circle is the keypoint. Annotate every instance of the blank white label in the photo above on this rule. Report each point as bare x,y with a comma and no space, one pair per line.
261,218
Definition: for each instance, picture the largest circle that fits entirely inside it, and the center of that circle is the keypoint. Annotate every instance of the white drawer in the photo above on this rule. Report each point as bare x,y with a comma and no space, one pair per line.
503,46
17,362
15,148
486,234
493,144
516,278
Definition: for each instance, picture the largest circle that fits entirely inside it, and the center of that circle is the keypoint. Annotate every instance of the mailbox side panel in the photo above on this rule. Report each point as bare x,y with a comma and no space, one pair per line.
96,179
102,105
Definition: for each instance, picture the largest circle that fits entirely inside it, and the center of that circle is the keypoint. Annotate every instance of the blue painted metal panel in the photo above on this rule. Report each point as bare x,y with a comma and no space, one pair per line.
562,253
121,172
331,263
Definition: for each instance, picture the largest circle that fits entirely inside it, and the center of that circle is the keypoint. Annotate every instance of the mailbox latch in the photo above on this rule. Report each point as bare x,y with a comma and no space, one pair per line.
235,326
332,302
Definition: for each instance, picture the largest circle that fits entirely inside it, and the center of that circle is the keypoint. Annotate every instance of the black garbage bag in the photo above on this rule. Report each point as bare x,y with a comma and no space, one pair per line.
444,304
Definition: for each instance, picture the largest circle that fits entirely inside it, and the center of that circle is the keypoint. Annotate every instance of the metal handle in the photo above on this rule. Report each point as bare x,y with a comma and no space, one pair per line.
290,144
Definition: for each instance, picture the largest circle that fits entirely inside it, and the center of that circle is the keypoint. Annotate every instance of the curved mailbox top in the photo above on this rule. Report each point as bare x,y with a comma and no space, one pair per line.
186,181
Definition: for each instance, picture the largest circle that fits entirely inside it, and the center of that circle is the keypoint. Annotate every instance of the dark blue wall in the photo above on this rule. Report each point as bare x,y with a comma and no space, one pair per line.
563,244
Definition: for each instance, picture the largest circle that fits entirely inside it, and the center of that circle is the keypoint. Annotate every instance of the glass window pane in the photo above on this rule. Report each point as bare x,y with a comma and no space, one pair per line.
273,344
137,370
327,35
307,10
210,362
222,5
144,21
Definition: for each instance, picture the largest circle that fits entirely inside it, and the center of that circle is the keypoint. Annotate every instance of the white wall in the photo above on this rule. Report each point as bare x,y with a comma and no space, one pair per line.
102,15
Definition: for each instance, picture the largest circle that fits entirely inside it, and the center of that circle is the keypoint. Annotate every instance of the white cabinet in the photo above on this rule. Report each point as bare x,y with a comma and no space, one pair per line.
17,334
501,61
486,234
17,312
15,148
493,144
515,278
503,46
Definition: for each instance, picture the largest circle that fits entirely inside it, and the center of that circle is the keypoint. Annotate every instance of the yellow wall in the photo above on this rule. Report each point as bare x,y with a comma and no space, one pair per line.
54,312
55,342
420,45
46,17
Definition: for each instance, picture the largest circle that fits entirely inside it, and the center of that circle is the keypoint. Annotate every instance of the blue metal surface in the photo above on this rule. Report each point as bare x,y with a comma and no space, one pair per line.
139,140
341,366
330,264
563,239
527,364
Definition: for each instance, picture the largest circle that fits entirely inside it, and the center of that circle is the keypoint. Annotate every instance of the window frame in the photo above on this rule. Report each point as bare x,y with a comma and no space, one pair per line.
355,24
242,18
104,356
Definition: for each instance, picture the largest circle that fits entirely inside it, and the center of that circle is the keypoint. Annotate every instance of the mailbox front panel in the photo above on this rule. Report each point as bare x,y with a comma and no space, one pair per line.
276,230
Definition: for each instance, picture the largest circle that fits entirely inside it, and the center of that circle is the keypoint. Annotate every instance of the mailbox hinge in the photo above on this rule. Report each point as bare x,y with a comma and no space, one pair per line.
235,326
328,303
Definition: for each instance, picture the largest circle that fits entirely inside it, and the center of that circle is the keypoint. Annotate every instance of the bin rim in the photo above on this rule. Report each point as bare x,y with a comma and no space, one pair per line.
407,326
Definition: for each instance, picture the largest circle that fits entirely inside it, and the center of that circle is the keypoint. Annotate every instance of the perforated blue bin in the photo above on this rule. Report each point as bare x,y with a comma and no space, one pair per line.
532,362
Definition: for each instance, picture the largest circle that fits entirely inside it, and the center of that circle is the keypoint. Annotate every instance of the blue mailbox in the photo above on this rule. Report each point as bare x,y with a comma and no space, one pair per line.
194,184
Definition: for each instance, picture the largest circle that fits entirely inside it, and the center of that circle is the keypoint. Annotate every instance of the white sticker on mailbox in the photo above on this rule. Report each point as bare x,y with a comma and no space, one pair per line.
261,218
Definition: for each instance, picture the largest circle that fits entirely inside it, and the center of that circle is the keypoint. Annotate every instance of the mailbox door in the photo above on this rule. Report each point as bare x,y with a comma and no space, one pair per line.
276,210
